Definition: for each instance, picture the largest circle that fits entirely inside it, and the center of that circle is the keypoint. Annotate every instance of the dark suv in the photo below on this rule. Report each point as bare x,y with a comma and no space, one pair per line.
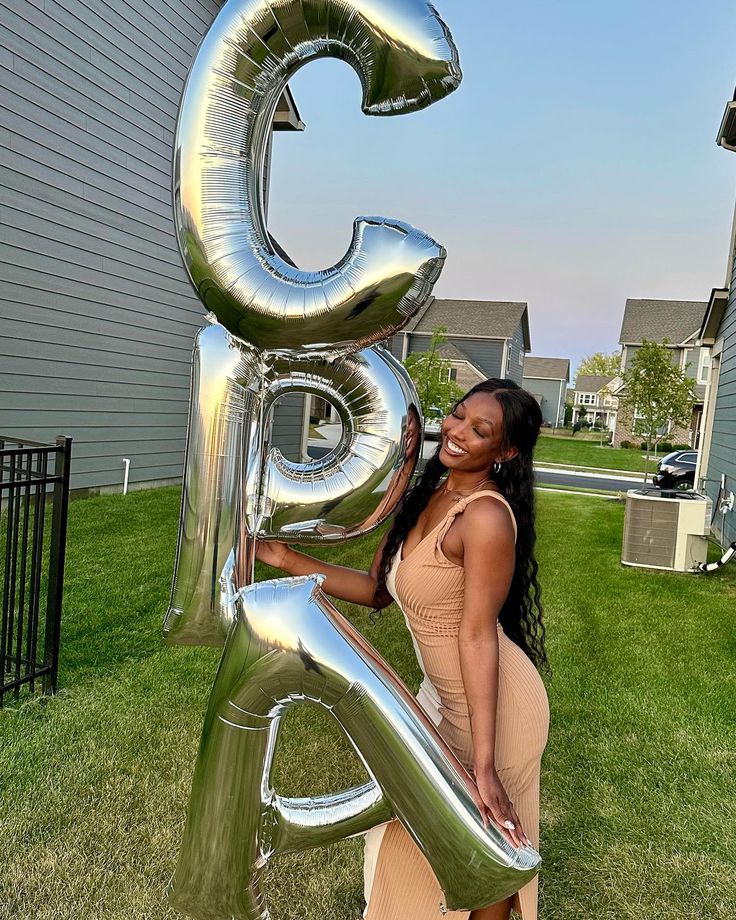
676,470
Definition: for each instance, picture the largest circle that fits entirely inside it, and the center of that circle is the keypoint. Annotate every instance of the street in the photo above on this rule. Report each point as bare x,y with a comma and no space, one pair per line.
545,476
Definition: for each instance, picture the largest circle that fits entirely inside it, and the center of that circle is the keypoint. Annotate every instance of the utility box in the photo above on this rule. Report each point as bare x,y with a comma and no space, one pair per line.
666,529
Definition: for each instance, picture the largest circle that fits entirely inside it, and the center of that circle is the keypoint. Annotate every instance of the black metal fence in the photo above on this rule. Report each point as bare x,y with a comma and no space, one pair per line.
34,500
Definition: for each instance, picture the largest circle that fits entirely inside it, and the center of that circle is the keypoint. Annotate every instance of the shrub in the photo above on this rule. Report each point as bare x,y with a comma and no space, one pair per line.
627,445
681,447
664,447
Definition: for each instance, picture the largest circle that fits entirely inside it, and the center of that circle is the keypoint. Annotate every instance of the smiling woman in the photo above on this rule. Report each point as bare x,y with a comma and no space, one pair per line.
459,561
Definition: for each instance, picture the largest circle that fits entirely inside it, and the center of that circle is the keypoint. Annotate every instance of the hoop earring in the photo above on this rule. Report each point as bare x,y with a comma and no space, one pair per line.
497,467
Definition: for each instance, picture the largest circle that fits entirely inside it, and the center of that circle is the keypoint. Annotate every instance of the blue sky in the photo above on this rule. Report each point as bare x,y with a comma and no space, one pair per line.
575,166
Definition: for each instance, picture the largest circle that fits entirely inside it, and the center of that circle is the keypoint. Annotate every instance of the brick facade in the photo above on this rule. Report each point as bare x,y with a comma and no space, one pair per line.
624,429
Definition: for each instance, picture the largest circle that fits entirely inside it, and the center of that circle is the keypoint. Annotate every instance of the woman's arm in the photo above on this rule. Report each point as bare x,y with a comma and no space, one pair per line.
340,582
488,560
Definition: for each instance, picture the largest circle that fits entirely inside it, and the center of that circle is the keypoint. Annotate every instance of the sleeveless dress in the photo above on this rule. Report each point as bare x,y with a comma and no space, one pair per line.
429,589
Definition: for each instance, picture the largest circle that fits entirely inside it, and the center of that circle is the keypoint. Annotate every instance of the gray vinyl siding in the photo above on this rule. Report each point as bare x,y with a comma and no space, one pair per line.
486,354
97,316
395,345
287,434
722,456
515,357
550,391
631,350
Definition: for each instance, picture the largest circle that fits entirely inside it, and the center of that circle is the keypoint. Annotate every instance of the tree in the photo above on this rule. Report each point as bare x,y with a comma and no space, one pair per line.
658,394
601,364
431,375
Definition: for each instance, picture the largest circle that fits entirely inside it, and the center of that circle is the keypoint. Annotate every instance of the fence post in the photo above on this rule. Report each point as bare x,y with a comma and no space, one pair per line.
57,557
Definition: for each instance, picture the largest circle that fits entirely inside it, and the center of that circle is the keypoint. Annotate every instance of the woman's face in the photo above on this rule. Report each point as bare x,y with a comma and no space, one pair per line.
472,434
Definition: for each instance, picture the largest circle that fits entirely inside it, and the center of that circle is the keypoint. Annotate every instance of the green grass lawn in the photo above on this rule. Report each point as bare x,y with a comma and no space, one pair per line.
638,804
587,453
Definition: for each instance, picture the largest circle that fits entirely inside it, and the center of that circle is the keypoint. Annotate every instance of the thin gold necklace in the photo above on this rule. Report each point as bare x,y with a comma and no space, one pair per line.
460,492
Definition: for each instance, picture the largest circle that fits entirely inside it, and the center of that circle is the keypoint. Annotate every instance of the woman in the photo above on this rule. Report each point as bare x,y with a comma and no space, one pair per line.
459,561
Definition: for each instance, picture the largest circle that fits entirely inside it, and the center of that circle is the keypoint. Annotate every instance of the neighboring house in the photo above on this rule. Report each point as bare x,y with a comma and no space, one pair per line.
97,315
490,338
678,322
461,370
547,379
716,470
593,401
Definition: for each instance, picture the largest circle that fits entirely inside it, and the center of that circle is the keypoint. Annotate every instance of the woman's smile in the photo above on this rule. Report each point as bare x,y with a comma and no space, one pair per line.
452,448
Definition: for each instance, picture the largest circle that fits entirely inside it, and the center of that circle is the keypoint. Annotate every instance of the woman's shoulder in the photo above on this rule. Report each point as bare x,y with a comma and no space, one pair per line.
489,510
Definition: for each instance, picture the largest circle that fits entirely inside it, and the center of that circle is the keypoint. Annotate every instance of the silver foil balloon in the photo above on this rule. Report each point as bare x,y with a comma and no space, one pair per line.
358,484
237,488
289,644
405,58
223,399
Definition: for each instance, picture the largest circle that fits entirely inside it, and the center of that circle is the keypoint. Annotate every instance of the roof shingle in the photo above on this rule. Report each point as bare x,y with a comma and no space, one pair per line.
549,368
494,319
656,320
591,383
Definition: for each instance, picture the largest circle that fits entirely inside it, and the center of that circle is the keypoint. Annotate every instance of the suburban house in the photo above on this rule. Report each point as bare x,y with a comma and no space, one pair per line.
594,402
484,338
97,316
678,323
547,379
716,472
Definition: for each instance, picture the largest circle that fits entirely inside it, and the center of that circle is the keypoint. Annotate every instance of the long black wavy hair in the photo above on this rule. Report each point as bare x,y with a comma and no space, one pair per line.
521,614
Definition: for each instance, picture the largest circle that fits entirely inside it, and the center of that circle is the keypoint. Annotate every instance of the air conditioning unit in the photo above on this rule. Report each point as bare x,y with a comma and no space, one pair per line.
666,529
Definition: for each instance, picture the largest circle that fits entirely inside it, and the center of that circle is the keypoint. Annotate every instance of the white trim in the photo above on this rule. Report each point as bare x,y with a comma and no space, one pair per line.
464,335
405,346
730,257
704,353
639,344
694,335
304,447
561,406
504,357
468,364
707,417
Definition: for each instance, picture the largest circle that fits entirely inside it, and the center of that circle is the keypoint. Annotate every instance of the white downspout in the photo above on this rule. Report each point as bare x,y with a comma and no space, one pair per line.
126,467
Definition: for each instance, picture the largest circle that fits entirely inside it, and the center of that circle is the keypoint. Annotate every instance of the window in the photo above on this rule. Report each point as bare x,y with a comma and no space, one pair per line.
586,399
704,365
452,373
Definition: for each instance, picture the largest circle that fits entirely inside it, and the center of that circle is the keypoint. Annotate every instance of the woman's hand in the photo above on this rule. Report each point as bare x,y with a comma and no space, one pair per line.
272,552
499,807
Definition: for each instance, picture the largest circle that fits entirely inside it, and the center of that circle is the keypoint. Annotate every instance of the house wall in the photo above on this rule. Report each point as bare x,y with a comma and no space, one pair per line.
395,345
467,376
515,357
486,354
722,454
631,350
552,393
97,316
624,430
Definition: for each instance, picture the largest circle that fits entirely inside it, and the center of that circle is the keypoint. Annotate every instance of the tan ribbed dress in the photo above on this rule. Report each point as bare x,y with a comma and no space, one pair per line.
429,588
